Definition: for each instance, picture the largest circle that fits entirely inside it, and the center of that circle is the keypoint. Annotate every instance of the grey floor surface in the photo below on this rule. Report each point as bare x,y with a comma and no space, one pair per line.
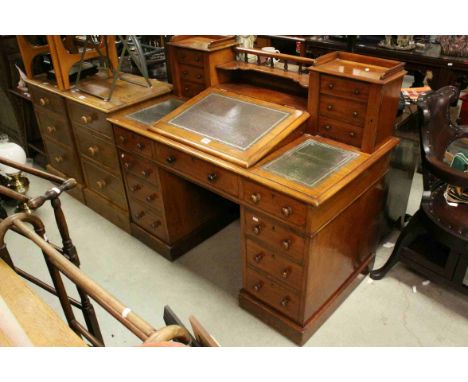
205,282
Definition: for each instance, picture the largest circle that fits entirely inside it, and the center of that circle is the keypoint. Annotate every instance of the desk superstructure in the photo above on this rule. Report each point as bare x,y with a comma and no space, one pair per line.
310,198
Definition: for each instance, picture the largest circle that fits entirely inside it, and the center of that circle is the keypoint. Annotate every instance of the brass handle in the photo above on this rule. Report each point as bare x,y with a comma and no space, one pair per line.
51,129
146,173
151,197
43,101
93,150
352,134
285,302
355,114
171,159
139,215
286,272
256,229
212,177
327,127
329,107
286,211
255,197
257,286
155,224
135,187
101,184
86,119
140,146
331,86
58,159
356,91
286,244
258,257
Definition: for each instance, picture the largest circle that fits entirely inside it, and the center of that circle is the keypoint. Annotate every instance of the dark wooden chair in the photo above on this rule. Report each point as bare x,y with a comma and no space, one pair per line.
435,240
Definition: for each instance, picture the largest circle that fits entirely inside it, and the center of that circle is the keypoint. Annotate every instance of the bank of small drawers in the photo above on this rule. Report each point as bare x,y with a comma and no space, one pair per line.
191,71
190,57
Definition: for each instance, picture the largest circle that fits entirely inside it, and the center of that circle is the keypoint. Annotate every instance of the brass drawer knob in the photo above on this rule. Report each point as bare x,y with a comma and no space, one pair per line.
43,101
258,286
352,134
355,114
285,302
150,198
212,177
285,273
255,198
51,129
258,257
146,173
139,215
286,244
140,146
85,119
93,150
356,92
135,187
327,127
58,159
256,229
329,107
331,86
286,211
155,224
171,159
101,184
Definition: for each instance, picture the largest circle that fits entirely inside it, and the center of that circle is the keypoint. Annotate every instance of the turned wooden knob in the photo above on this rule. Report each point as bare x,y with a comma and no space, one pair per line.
155,224
329,107
355,114
58,159
85,119
356,91
140,146
212,177
286,211
151,197
51,129
199,77
122,139
146,173
127,165
186,89
286,244
257,286
352,134
255,197
171,159
101,184
135,187
258,257
285,302
327,127
331,86
285,273
256,229
139,215
184,72
43,101
93,150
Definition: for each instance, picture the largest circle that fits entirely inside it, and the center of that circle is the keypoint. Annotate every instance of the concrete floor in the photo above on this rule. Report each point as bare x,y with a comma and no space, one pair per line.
205,282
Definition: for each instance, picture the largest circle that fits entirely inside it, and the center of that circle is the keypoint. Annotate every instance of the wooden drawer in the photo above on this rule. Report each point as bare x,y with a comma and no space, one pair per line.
275,265
151,221
340,131
286,208
90,118
135,143
191,89
193,74
143,191
54,126
343,110
141,167
340,87
48,100
275,236
63,159
200,170
189,57
97,149
105,183
272,293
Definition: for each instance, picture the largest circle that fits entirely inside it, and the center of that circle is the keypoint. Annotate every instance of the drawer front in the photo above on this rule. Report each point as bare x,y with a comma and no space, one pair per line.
143,191
97,149
275,265
90,118
272,293
193,74
342,132
191,89
54,126
204,172
151,221
275,236
141,167
48,100
105,184
63,159
134,143
190,57
340,87
286,208
343,110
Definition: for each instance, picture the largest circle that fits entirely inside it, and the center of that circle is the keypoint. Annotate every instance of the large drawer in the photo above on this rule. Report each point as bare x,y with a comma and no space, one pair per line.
199,169
151,221
97,149
105,183
48,100
54,126
193,74
278,204
274,235
341,87
342,109
135,143
272,293
141,167
340,131
63,158
274,264
90,118
189,57
143,191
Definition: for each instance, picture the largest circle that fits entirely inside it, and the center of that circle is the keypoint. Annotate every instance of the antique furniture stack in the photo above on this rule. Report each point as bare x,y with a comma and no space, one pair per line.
301,146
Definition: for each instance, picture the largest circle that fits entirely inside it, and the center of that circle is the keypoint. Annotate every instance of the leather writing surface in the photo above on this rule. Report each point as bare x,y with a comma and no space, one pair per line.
154,113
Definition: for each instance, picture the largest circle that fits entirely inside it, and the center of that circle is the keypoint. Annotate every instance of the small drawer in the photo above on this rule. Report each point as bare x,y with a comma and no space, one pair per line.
63,159
280,205
91,118
341,87
105,183
342,132
275,265
343,110
273,294
133,164
191,73
54,126
190,57
274,235
191,89
129,141
97,149
48,100
151,221
143,191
